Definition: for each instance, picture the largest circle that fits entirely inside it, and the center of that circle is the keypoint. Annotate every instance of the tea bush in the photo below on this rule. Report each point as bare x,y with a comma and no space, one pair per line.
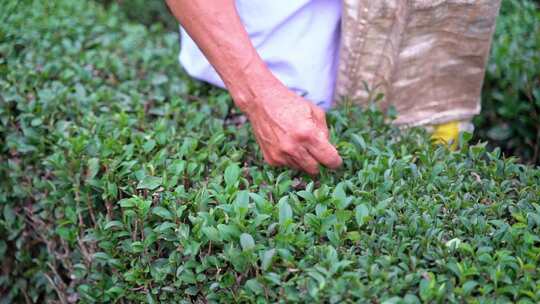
147,12
121,180
510,116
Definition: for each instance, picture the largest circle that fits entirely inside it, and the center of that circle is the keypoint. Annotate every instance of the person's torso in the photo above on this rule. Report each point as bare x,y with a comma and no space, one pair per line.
298,40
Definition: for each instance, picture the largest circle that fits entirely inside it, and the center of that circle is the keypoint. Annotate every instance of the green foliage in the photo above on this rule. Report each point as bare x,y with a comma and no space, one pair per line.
122,180
511,101
147,12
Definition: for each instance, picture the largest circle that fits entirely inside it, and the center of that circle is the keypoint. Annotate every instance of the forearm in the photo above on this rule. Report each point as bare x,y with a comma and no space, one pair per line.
218,31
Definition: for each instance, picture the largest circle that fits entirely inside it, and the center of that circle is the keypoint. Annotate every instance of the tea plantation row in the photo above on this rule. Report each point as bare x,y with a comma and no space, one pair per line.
121,180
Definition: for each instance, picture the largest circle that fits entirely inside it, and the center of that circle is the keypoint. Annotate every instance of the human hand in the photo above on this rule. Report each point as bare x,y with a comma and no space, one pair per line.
292,132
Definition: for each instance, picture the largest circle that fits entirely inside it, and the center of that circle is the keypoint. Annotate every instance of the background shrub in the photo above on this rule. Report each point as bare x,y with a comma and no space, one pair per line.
147,12
121,180
510,117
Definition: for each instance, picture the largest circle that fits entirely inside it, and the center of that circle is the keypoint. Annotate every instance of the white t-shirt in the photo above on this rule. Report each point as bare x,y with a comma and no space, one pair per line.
298,40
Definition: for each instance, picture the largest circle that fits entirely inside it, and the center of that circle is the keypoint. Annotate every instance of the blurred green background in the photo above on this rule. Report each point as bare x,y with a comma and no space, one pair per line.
510,115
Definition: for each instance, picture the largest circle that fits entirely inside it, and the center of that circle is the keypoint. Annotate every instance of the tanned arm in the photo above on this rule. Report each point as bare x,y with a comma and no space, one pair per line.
290,130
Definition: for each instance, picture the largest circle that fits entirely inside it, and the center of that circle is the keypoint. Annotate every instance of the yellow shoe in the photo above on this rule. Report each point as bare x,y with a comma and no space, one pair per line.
446,134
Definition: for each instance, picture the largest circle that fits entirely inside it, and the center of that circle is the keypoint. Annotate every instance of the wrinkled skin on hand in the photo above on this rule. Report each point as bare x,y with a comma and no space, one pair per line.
292,132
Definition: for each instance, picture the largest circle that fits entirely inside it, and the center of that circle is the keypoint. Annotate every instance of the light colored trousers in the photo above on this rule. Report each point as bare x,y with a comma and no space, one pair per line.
427,56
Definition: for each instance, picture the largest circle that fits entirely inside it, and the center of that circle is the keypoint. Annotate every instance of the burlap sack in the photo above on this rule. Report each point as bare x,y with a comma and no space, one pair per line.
427,56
